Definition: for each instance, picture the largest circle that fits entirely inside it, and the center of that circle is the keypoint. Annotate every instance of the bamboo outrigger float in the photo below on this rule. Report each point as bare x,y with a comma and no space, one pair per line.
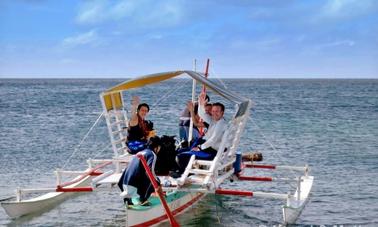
200,177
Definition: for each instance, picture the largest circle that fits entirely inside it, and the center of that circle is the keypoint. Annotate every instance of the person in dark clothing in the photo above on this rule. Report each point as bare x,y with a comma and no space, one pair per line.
134,180
139,129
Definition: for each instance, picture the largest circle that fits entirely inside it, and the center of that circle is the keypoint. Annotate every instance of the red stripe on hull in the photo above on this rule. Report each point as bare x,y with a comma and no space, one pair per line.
174,212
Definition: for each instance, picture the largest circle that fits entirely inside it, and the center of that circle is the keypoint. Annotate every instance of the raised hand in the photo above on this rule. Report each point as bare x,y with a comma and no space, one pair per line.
135,100
189,105
202,98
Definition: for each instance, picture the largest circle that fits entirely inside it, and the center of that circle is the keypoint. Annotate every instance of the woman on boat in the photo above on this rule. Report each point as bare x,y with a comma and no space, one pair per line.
134,181
191,111
139,129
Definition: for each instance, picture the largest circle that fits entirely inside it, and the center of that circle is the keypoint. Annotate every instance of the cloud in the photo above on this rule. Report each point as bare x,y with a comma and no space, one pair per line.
67,61
98,11
262,45
347,8
339,43
86,38
91,12
147,13
330,48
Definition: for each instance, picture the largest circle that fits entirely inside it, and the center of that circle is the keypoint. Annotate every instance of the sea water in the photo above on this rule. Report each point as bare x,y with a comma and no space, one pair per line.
331,125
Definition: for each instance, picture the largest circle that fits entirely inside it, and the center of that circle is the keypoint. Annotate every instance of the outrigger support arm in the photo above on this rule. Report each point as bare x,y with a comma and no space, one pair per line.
258,178
158,191
305,168
251,194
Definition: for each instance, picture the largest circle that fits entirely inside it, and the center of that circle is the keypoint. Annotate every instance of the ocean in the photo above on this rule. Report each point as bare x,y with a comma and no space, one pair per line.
329,124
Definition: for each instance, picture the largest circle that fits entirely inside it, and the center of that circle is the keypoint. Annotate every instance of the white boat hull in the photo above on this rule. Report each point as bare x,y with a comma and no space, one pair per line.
294,206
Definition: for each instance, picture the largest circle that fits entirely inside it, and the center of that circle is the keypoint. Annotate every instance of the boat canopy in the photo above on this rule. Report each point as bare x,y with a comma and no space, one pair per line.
112,96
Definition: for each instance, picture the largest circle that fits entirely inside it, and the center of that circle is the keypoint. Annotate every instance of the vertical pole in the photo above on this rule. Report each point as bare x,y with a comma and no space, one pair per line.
193,99
18,194
89,162
201,130
299,189
206,74
58,177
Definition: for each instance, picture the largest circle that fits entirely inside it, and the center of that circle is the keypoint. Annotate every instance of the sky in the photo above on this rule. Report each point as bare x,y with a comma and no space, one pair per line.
242,38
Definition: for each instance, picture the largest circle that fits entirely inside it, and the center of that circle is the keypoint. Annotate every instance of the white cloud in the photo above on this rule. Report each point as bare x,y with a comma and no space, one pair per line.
148,13
122,9
346,8
86,38
328,47
155,36
263,44
339,43
67,61
164,14
92,12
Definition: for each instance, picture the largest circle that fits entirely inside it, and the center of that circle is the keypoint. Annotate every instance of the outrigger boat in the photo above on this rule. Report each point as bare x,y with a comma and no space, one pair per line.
201,177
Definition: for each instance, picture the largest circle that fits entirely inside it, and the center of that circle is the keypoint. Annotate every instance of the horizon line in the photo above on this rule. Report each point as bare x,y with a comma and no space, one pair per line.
262,78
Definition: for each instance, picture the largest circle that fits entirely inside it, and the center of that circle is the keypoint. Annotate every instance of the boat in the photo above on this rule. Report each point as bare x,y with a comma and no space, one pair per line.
176,195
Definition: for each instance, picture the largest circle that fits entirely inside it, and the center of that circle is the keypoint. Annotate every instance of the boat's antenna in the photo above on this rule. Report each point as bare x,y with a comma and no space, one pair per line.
193,99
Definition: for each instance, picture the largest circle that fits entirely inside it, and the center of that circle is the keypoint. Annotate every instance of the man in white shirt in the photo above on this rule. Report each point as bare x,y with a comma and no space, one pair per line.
209,146
217,125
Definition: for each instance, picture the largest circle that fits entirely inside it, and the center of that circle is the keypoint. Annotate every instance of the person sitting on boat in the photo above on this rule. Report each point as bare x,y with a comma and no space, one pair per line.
134,181
202,125
208,108
139,129
190,111
207,147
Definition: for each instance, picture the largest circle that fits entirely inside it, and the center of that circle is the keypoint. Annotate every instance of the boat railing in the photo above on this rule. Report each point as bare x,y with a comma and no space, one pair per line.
116,121
211,173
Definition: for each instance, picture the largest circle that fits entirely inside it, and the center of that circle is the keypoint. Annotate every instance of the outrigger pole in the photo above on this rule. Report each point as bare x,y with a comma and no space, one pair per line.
251,194
158,191
64,187
277,167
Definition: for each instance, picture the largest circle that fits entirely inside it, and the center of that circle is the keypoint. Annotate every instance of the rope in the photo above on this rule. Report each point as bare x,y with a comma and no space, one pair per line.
263,135
98,153
219,79
216,209
81,142
274,149
216,202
